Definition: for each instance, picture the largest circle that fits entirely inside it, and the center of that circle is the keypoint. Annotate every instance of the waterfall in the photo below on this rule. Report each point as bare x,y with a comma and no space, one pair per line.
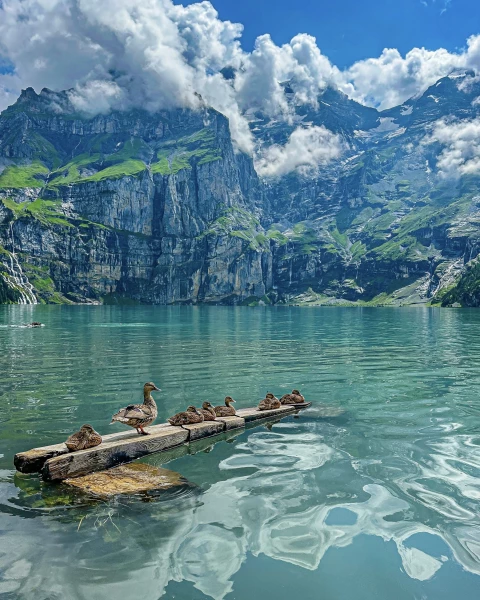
15,278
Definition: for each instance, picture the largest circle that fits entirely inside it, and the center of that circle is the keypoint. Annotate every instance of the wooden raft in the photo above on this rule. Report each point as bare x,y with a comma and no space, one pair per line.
56,463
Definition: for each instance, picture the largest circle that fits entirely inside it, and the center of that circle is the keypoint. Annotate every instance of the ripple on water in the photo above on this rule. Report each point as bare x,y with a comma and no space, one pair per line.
389,450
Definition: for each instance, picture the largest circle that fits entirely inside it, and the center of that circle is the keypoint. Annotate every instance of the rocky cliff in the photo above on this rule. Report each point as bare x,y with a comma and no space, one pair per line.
159,208
126,207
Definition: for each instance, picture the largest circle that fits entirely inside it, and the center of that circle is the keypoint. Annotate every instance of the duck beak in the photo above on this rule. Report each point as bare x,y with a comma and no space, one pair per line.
155,389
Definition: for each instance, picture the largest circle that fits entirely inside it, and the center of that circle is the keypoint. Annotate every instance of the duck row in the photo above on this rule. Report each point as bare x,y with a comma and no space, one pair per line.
206,413
271,402
142,415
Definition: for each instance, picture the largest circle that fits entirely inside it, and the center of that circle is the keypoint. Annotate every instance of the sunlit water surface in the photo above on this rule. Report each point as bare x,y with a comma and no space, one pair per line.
379,502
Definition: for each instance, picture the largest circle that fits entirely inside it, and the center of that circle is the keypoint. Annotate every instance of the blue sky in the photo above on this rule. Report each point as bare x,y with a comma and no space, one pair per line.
155,54
350,30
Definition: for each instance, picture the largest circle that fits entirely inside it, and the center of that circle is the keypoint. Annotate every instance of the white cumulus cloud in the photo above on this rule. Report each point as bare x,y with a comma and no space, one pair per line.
153,54
306,149
461,147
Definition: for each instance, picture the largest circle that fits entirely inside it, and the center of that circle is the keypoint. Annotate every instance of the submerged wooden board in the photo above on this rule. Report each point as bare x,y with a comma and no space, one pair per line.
252,414
112,453
133,478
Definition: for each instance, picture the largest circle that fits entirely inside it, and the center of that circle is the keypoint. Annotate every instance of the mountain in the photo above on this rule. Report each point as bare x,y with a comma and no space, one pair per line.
126,207
159,208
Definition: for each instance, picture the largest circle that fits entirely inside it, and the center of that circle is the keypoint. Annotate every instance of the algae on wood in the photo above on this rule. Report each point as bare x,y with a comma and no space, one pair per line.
133,478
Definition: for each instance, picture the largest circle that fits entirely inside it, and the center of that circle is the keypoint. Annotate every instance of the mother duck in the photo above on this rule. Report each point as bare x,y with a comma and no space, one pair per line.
139,415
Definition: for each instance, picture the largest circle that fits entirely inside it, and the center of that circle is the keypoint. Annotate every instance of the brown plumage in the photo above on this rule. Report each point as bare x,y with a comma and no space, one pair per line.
294,398
298,396
85,438
269,402
208,412
227,410
188,417
139,415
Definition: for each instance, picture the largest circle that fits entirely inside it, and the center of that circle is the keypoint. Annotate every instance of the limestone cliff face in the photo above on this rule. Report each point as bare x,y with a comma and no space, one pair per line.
159,208
128,207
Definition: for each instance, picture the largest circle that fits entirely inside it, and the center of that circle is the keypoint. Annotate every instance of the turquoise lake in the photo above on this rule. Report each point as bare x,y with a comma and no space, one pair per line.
373,493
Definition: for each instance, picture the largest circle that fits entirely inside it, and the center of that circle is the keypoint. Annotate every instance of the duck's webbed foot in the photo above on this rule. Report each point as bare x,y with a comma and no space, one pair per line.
142,431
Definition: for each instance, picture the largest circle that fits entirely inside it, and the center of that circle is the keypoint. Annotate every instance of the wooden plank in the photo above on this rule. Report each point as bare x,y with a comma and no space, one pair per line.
205,429
252,414
300,405
32,461
112,453
123,446
232,422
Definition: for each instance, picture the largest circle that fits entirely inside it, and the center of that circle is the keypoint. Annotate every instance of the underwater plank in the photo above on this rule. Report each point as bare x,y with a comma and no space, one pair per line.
133,478
112,453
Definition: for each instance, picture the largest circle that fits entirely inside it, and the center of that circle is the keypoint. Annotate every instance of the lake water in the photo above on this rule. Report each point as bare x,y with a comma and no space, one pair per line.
374,493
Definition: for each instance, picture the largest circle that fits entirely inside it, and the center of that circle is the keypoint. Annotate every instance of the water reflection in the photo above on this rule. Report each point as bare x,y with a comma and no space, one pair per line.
389,451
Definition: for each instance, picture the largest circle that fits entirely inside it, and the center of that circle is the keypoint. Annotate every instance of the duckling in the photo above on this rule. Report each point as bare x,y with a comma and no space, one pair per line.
269,402
208,412
298,396
287,399
85,438
139,415
294,398
189,417
227,410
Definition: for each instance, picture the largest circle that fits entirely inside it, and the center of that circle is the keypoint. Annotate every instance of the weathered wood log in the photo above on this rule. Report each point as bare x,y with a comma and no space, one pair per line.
252,414
32,461
133,478
112,453
232,422
205,429
57,463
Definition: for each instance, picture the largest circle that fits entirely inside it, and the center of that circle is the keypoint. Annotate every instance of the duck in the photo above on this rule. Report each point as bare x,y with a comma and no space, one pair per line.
298,396
294,398
139,416
227,410
85,438
269,402
188,417
287,399
208,412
